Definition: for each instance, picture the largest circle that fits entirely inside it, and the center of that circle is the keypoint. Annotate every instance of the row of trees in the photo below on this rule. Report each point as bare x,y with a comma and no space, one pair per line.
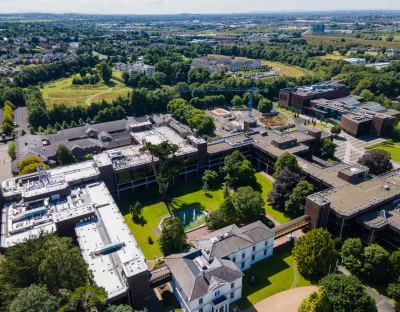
8,122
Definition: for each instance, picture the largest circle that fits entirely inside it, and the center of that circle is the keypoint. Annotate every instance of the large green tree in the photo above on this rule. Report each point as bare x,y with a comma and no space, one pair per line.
64,155
283,186
393,290
376,263
35,299
315,252
346,293
378,161
297,199
106,72
352,253
238,170
317,301
29,164
210,177
248,203
288,161
86,298
164,163
328,148
173,236
394,265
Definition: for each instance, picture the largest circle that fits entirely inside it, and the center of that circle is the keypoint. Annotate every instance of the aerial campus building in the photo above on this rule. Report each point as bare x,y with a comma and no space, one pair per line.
78,200
332,100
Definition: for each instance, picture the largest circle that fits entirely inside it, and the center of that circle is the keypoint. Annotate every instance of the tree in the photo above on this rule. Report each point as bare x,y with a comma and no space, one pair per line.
376,263
394,264
288,161
205,188
336,129
283,185
64,124
211,177
64,155
346,293
393,290
367,95
237,101
378,161
29,164
265,106
297,199
216,220
35,299
149,83
87,298
136,211
352,253
315,252
248,203
106,72
164,163
11,150
317,301
173,236
238,170
118,308
225,192
327,148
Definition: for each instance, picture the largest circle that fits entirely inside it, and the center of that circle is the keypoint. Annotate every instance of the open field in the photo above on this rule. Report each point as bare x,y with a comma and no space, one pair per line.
393,149
274,275
63,92
287,70
335,40
333,57
181,197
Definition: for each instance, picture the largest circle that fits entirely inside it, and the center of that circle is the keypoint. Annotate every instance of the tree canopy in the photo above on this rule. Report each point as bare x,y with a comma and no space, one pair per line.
35,299
64,155
297,198
315,252
283,185
29,164
378,161
353,254
288,161
173,236
346,293
376,263
238,170
317,301
248,203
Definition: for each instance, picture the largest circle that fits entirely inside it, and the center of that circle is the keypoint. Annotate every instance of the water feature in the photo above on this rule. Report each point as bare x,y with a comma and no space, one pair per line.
191,218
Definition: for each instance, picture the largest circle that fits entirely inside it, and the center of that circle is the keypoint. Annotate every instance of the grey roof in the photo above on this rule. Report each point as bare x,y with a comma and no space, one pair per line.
232,239
194,282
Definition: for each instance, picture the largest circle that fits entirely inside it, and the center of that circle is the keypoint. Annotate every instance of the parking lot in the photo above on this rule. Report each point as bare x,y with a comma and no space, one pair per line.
350,149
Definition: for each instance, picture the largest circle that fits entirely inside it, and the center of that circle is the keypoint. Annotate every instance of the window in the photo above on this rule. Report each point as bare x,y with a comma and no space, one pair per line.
234,259
254,248
253,257
266,243
200,301
243,255
232,285
232,295
265,252
242,265
217,293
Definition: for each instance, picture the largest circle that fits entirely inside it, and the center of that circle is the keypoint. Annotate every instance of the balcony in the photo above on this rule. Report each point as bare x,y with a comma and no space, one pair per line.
221,304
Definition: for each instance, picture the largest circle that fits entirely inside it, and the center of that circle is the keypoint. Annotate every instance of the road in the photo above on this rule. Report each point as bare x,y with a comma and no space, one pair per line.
20,116
5,163
382,302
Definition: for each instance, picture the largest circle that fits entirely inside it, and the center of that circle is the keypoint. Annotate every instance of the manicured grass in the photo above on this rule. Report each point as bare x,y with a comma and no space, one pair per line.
287,70
117,74
393,149
274,275
62,91
180,197
318,125
333,57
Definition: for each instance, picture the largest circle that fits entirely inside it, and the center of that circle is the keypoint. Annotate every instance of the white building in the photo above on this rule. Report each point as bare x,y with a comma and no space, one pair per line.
140,67
209,278
356,61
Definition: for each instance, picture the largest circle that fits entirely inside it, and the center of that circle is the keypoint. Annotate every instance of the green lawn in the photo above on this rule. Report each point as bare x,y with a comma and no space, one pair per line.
287,70
181,197
274,275
62,91
393,149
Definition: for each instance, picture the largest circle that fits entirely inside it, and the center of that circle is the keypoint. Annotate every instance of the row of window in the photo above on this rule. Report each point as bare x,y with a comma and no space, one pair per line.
232,295
254,249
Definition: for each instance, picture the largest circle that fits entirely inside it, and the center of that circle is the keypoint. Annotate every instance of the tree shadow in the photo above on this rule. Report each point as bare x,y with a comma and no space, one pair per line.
175,205
110,84
140,221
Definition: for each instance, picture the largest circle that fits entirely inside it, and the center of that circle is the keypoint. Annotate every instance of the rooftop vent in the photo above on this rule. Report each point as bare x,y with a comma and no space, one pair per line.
386,187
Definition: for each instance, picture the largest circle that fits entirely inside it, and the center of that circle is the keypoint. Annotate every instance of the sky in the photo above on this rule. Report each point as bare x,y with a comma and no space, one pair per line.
189,6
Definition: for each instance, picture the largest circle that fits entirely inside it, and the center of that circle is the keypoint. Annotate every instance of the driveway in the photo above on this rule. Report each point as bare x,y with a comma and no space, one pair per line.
20,116
5,163
285,301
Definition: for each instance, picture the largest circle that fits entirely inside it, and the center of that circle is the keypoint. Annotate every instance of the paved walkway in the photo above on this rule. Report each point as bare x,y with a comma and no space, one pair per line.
285,301
5,163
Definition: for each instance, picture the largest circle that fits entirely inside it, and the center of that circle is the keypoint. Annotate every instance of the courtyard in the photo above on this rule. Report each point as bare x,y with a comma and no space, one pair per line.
179,198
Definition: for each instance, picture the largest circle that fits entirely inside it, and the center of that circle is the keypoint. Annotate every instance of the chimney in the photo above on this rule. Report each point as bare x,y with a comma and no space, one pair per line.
195,132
